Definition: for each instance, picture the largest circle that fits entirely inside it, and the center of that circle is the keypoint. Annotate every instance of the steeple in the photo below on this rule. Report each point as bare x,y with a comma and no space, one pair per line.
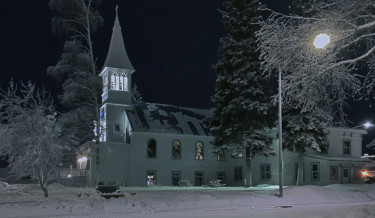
117,56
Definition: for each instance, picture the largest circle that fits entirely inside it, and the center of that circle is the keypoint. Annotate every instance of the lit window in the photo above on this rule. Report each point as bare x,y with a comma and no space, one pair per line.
315,171
346,147
333,173
238,174
117,84
199,151
176,150
113,82
265,172
126,88
151,148
151,177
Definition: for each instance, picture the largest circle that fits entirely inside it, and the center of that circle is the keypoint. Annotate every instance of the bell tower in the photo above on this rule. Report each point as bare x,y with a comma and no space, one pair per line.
117,70
116,97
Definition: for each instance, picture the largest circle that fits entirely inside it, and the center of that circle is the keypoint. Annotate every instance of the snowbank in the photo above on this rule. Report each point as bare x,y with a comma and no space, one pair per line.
187,201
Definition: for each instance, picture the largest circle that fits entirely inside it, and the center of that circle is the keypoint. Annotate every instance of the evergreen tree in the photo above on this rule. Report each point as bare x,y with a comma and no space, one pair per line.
78,20
304,130
241,104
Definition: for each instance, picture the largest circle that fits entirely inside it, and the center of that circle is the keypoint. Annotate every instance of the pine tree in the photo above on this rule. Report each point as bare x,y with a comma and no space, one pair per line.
77,20
241,104
304,130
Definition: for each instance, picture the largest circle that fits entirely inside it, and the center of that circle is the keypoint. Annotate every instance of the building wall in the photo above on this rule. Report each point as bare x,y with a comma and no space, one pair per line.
163,163
123,163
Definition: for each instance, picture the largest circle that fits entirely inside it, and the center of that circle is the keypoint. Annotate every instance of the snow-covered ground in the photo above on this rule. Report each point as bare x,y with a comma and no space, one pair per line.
352,200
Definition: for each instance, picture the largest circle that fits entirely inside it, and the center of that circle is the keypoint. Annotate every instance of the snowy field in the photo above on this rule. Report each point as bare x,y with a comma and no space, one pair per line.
307,201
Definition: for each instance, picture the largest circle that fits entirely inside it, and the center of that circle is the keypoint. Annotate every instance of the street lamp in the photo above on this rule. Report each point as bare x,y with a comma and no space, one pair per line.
365,125
320,41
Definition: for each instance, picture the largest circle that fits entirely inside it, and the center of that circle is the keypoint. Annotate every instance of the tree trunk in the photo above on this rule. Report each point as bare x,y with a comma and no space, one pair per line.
43,183
248,179
300,169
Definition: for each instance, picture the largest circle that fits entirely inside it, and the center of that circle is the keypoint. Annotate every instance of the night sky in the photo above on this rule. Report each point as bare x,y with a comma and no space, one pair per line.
171,44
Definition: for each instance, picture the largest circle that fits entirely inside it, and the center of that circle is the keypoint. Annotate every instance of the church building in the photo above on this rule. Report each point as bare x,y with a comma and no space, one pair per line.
143,144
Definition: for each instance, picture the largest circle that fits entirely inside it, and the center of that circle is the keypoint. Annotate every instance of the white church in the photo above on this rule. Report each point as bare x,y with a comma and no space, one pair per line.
156,144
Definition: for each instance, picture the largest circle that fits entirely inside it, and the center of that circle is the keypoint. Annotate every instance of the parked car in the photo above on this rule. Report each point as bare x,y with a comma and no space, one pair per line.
368,175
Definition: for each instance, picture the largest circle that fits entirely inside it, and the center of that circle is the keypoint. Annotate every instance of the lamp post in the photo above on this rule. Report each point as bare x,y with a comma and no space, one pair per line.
320,42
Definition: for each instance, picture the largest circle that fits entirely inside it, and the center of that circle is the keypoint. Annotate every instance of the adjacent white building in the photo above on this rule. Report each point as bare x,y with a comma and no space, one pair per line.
146,143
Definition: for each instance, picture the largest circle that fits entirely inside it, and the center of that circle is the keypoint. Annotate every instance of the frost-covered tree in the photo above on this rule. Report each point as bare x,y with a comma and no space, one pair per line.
240,120
76,69
343,69
30,135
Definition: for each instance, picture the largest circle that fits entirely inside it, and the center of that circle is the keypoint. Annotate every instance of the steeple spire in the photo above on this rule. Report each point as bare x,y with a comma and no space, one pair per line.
117,56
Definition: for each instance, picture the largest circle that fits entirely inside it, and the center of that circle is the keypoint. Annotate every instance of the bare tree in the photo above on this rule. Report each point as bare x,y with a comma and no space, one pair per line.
327,77
31,136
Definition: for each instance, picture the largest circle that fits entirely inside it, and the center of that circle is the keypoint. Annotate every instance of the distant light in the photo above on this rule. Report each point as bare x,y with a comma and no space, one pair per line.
321,40
69,175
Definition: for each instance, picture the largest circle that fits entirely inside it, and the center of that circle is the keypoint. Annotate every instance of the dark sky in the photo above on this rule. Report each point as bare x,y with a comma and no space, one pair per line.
171,44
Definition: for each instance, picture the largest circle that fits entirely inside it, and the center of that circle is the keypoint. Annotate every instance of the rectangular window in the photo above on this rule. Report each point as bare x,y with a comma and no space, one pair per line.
265,172
333,173
237,154
346,147
116,128
238,174
151,177
176,177
221,177
199,151
151,148
315,171
198,179
176,150
221,156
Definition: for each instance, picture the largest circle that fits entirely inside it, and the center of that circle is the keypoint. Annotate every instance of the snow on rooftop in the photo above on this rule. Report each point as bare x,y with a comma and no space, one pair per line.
151,117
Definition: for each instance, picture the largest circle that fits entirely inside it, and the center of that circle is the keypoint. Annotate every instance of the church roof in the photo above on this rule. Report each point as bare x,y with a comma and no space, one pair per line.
117,56
161,118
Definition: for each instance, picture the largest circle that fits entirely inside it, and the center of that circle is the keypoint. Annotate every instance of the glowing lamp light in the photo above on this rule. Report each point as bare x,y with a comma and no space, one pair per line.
83,159
321,40
69,175
364,173
368,124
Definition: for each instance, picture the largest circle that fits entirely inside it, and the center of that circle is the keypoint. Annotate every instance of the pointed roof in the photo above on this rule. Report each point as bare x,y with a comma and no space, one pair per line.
117,56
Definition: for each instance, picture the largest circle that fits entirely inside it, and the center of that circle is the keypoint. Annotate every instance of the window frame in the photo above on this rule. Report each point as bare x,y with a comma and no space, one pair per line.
196,151
195,178
330,173
238,174
313,171
265,175
175,172
154,177
347,147
147,148
173,150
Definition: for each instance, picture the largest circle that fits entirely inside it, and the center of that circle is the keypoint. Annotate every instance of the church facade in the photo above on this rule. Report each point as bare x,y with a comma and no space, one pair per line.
144,144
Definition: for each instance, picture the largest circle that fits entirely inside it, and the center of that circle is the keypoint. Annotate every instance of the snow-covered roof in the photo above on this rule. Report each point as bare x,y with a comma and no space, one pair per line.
117,56
337,158
162,118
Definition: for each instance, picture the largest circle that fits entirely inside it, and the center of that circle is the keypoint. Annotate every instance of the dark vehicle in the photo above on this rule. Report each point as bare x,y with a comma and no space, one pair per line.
368,175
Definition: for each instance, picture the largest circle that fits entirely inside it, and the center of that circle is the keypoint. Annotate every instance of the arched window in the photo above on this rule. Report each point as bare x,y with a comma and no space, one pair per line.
176,150
151,148
199,151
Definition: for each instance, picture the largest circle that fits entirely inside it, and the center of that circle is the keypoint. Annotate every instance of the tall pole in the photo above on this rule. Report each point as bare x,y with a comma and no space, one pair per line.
281,165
